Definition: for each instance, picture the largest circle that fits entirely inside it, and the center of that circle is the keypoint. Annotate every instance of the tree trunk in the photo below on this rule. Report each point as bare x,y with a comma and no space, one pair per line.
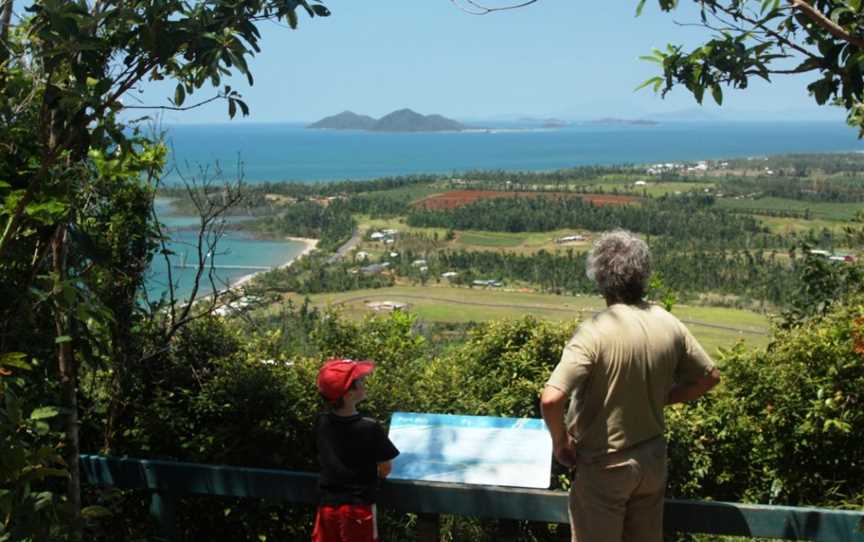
68,372
5,22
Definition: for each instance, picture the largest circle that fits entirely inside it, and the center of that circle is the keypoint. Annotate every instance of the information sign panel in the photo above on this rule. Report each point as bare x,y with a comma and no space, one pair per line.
471,449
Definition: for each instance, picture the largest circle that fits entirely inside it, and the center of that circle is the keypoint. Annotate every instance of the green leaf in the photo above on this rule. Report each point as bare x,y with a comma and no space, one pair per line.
650,58
43,413
639,7
656,81
95,512
15,359
232,108
43,500
179,95
62,339
322,11
46,210
717,92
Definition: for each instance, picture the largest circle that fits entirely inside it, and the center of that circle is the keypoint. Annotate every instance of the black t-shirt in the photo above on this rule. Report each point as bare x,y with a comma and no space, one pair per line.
349,450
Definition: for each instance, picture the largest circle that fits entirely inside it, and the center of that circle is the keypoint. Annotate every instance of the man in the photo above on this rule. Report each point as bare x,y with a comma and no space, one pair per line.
619,370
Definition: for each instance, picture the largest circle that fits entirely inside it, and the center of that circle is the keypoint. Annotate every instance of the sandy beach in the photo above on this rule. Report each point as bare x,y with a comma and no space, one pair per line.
308,246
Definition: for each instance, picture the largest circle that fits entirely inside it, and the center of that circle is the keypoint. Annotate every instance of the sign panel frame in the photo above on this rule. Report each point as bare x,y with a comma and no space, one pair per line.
484,450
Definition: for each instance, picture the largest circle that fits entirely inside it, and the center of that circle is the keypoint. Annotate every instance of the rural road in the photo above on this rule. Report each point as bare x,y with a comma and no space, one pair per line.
538,307
347,247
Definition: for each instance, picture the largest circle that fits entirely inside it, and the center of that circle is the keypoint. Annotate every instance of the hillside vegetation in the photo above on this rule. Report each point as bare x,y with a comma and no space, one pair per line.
493,289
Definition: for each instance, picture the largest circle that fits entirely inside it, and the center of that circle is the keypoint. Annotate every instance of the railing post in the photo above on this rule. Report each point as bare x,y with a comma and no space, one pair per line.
428,528
163,510
508,530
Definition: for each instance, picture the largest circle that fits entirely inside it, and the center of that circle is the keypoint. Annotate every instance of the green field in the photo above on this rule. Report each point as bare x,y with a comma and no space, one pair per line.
799,225
714,326
818,209
491,239
412,192
652,188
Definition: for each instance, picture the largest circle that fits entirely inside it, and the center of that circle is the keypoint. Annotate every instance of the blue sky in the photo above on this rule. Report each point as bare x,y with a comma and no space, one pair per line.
559,58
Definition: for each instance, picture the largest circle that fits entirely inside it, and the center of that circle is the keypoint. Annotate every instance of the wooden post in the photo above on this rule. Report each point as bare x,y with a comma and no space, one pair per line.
428,528
163,510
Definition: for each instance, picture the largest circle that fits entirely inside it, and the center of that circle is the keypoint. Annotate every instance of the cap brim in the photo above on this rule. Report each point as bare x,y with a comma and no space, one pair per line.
361,369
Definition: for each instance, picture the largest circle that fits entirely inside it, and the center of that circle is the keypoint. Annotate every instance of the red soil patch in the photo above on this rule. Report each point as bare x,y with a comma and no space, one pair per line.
459,198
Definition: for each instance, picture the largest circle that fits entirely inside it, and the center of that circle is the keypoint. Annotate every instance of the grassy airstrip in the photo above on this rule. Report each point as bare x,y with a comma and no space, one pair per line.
714,326
518,243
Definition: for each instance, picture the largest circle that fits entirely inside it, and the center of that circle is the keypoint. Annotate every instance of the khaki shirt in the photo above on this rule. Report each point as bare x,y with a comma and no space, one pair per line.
618,369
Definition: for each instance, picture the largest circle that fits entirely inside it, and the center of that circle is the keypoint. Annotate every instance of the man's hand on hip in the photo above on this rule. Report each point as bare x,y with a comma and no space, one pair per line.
565,453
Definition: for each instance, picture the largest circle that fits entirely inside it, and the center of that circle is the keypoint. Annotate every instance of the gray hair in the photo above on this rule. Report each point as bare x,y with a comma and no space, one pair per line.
620,264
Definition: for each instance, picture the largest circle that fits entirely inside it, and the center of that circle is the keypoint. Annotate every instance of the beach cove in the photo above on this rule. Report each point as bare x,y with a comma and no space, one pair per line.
239,257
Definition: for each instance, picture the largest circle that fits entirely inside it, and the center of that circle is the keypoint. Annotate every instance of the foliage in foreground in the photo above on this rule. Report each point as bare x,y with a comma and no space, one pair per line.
781,428
768,39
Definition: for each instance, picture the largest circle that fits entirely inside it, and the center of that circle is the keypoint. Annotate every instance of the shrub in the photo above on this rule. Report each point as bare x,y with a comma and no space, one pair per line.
784,426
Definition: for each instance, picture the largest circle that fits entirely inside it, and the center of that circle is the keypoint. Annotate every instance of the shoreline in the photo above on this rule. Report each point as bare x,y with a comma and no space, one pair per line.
309,245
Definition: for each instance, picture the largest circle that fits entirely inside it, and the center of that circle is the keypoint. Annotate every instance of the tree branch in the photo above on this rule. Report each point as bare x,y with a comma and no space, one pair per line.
131,80
768,31
172,108
479,9
827,24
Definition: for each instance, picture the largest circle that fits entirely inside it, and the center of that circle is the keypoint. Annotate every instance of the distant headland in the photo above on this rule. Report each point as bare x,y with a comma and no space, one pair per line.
402,120
615,120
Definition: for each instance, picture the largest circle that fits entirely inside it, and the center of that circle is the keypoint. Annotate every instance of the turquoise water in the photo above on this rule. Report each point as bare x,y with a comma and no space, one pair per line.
275,152
235,249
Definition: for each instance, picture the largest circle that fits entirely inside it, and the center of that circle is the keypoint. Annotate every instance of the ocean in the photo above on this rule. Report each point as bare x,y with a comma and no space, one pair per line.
234,250
288,152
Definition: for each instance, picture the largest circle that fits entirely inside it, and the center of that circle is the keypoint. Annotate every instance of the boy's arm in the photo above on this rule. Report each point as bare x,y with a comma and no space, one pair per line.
385,452
384,469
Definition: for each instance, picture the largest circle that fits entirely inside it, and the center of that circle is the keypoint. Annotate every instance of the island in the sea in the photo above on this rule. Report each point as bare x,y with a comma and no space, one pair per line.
402,120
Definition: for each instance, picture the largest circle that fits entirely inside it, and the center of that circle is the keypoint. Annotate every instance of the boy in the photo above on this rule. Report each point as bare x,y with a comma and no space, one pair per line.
353,453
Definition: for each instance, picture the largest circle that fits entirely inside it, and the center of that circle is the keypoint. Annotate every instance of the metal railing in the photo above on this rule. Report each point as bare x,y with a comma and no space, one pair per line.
169,480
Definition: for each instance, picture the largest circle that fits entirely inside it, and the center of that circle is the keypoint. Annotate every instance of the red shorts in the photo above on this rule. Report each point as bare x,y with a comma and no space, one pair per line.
346,523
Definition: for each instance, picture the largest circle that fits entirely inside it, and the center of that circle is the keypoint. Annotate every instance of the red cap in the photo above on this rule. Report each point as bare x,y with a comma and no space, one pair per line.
336,376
